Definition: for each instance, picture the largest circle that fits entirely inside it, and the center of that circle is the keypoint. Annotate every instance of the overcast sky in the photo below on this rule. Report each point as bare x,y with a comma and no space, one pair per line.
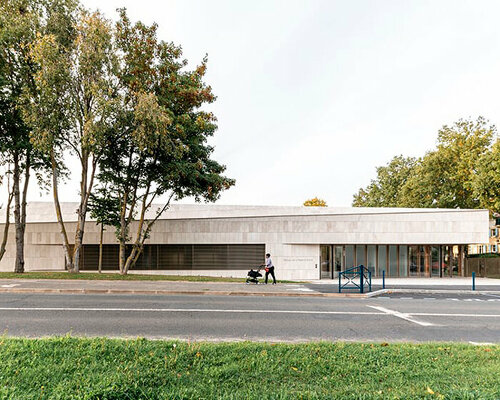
313,95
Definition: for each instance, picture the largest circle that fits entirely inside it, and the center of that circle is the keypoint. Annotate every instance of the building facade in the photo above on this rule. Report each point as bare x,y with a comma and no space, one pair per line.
493,246
305,242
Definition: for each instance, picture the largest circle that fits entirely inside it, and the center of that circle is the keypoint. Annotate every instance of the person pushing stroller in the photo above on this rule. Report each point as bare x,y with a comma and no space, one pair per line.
269,268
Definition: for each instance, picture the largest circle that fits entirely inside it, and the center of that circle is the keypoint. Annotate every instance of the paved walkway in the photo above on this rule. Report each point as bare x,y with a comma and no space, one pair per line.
312,289
428,282
160,287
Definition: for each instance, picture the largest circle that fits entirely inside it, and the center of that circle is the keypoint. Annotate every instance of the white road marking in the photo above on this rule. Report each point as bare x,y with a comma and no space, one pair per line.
481,343
200,310
11,285
406,298
302,289
404,316
456,315
492,295
383,311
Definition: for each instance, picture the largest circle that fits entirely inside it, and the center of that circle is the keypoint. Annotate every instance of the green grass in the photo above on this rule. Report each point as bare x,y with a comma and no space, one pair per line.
113,369
114,277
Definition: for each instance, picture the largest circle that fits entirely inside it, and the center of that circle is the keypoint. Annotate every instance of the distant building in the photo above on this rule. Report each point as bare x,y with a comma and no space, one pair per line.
493,245
305,242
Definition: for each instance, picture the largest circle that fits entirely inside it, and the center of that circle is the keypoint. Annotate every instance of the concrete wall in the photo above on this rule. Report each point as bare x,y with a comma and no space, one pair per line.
292,239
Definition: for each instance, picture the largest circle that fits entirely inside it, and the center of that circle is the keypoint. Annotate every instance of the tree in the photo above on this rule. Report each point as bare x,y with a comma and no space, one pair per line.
385,190
76,108
444,177
104,208
20,21
486,183
315,202
159,147
6,226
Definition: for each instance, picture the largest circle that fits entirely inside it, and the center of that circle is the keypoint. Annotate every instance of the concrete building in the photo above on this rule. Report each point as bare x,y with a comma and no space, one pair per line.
493,247
305,242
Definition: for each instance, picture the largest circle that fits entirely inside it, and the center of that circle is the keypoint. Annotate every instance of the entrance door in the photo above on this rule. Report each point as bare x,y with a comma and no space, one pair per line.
326,261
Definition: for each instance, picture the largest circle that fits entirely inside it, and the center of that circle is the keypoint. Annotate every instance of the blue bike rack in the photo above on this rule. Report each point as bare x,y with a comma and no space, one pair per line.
357,278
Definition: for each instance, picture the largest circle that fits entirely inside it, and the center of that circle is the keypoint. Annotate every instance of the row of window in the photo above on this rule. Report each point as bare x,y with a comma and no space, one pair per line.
394,260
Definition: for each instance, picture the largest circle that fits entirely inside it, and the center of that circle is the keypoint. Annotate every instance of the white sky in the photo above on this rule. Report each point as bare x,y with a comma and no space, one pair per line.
313,95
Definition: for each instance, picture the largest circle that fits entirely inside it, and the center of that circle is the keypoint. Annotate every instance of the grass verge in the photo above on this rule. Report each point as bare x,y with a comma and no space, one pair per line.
105,369
115,277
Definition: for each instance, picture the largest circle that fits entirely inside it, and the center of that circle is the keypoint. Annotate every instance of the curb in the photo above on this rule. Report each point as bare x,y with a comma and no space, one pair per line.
436,291
184,292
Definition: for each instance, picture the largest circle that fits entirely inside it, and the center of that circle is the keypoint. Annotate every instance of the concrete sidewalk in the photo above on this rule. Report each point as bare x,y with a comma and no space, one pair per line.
428,282
320,288
161,287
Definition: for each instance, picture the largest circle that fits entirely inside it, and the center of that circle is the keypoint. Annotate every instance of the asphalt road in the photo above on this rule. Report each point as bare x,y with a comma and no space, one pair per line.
334,288
252,318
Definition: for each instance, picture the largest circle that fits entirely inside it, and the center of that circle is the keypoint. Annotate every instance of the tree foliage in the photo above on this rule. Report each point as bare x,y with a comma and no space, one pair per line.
315,202
21,21
447,177
486,182
76,107
158,149
385,190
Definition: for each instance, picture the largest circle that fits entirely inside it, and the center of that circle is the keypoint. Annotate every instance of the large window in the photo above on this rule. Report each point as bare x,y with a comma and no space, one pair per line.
180,257
360,255
339,260
382,259
414,260
349,256
403,261
371,258
393,260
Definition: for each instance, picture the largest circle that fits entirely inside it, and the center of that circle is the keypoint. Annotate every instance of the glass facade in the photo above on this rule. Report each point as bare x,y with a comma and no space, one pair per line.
371,258
349,256
403,261
396,260
339,260
326,262
382,260
360,255
393,260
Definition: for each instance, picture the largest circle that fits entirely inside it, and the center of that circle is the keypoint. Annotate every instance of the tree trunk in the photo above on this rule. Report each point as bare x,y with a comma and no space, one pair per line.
19,264
64,236
7,221
85,190
123,258
100,249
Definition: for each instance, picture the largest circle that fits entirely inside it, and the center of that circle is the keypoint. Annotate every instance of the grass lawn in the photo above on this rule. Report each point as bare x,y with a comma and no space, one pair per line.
114,277
72,368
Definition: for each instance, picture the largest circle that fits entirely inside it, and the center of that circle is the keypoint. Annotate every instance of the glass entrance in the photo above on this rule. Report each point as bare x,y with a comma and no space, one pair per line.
326,261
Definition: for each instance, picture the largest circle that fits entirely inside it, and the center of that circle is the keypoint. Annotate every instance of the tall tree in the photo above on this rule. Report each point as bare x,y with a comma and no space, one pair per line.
315,202
20,22
75,109
159,150
104,208
486,182
385,190
6,226
444,177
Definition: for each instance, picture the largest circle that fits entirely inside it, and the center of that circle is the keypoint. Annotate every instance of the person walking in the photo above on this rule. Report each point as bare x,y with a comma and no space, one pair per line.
269,268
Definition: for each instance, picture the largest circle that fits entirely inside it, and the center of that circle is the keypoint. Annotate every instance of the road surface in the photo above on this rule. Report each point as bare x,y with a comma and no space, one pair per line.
463,318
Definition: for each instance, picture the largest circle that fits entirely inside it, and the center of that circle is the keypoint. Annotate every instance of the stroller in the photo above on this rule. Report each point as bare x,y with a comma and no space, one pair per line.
253,276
